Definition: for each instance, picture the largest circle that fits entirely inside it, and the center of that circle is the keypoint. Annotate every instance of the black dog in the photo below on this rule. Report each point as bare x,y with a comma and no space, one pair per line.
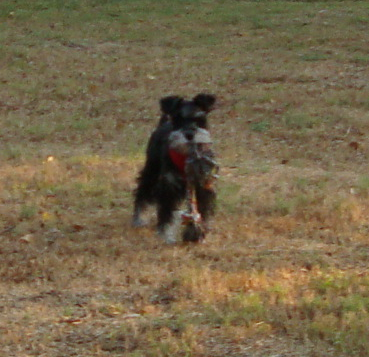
163,179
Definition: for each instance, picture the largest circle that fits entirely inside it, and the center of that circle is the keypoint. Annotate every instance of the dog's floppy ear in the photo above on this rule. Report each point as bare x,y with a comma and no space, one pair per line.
205,101
169,105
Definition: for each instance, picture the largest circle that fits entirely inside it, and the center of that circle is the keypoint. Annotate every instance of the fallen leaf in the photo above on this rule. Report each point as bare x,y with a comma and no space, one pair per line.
28,238
78,227
71,321
131,316
354,145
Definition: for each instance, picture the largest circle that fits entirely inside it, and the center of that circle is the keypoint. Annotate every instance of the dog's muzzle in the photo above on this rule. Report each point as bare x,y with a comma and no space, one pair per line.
191,152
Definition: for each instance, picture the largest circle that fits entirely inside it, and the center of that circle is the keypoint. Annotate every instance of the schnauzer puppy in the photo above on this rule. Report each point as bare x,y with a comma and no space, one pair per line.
163,181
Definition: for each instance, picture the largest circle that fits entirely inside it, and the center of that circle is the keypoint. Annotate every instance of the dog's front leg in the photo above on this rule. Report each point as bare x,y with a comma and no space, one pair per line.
166,221
137,220
170,196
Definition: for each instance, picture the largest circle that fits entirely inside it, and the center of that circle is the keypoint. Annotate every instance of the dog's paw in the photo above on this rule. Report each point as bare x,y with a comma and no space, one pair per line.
168,233
137,222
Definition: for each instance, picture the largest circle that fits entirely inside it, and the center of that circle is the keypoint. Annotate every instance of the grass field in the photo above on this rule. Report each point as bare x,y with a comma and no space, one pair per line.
284,271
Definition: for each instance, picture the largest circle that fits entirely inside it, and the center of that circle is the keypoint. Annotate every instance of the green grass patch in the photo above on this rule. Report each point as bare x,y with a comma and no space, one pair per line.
260,126
27,212
300,121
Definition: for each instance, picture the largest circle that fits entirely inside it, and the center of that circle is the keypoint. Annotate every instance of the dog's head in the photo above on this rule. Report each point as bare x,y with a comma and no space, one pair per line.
189,138
188,114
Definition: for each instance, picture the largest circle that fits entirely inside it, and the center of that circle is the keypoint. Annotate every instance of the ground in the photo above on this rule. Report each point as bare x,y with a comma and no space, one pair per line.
283,271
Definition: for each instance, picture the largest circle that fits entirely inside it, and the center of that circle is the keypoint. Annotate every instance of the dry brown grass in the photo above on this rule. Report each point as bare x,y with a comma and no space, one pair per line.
284,271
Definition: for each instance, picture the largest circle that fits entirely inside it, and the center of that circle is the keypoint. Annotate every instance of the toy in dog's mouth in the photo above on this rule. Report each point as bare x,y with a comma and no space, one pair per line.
192,154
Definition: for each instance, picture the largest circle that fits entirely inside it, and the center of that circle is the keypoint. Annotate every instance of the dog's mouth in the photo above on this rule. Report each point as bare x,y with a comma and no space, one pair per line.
181,140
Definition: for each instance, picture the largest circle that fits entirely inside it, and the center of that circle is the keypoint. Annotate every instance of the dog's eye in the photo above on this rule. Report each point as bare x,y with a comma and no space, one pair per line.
199,114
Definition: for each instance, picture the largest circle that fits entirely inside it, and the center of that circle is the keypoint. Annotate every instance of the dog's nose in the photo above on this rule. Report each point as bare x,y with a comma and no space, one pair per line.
189,135
190,132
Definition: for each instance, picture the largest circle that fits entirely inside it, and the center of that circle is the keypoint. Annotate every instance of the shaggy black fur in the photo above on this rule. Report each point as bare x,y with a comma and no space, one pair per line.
161,182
